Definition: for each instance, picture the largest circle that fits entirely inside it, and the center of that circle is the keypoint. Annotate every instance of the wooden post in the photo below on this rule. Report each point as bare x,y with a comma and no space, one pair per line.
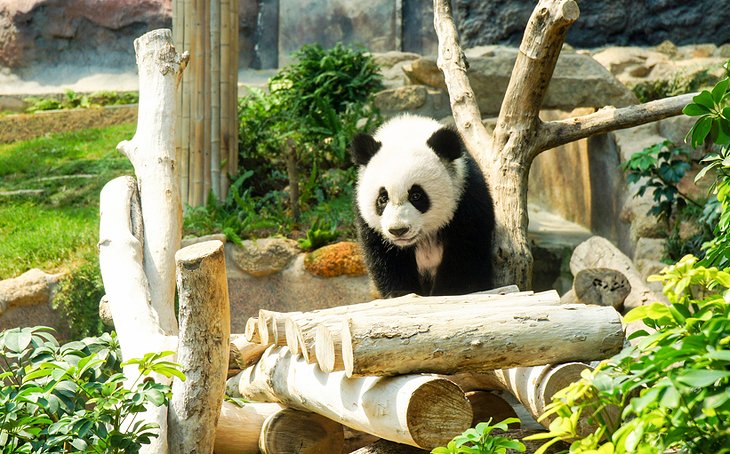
303,432
202,347
239,428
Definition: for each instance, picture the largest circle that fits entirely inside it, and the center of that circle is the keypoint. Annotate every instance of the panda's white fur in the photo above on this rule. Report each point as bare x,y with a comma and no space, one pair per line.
404,160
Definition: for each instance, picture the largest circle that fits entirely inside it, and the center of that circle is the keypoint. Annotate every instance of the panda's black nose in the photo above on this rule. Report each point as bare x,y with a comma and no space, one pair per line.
399,231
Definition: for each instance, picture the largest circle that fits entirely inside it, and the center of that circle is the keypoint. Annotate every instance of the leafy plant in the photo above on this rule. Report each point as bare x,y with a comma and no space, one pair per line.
662,166
479,440
318,235
78,298
670,390
713,124
73,100
73,397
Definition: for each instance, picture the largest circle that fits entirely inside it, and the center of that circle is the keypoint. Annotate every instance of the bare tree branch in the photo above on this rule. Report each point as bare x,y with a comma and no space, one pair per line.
555,133
539,52
463,102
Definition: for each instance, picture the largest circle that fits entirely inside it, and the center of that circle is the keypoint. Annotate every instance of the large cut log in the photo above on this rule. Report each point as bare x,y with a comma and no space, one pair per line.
239,428
598,252
301,328
202,347
479,339
424,411
533,387
488,405
302,432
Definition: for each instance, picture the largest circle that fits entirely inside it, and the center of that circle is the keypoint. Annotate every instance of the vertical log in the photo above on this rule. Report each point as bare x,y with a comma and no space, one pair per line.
207,86
152,153
202,347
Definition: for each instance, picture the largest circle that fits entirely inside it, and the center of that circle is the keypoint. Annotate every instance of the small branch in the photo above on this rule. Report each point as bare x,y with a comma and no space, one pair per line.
463,102
555,133
539,51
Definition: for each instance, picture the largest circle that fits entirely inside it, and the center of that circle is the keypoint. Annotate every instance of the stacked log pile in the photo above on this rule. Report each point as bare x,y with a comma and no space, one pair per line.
372,366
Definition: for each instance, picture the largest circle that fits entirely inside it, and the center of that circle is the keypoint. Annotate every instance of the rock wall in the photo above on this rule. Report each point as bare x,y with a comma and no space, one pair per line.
601,23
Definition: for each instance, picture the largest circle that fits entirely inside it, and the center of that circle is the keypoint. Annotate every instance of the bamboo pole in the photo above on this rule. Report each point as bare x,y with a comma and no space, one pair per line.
215,99
225,93
233,99
185,136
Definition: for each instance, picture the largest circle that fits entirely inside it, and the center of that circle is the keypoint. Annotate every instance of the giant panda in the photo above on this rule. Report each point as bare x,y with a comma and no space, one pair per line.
424,215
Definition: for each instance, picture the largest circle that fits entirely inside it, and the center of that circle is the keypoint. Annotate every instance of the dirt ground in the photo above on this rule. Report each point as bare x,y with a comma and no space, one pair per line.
28,126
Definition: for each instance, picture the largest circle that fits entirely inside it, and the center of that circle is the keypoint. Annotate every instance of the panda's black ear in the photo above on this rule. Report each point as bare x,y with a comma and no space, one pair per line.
447,143
363,147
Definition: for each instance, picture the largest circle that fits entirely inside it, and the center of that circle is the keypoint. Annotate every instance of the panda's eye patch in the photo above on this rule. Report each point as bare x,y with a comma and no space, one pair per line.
381,201
418,198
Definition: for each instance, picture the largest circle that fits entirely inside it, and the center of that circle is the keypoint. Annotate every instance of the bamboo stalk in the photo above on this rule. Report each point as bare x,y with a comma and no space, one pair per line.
207,84
233,99
225,92
215,99
185,136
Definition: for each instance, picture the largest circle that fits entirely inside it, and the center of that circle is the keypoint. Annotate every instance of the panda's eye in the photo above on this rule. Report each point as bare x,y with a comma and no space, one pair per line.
382,198
415,196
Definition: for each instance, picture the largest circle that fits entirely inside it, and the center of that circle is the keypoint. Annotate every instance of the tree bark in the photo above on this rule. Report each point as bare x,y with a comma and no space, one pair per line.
418,410
519,136
302,432
202,348
239,428
152,153
478,340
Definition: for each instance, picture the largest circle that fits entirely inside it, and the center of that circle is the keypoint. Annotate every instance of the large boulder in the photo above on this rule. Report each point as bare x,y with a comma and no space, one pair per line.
578,80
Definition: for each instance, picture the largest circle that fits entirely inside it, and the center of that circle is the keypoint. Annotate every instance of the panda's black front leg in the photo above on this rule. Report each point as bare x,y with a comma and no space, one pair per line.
393,269
466,267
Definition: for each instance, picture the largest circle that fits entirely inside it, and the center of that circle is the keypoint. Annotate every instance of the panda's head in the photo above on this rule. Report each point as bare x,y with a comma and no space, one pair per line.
411,177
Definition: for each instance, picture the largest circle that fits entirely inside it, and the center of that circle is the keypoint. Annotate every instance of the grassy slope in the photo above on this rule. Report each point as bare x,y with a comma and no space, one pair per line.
58,227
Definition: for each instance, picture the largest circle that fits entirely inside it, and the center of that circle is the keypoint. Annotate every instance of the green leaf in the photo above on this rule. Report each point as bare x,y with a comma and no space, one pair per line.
700,131
705,99
702,378
18,340
653,311
719,91
695,110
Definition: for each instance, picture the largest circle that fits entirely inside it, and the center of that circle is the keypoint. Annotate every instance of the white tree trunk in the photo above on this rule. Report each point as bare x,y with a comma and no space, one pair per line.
202,348
418,410
152,153
127,289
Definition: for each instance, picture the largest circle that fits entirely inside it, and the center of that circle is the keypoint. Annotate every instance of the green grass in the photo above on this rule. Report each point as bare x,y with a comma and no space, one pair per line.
56,228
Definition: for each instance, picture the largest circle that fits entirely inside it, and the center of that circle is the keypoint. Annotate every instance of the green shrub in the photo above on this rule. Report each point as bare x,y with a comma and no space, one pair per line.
78,298
670,390
72,100
73,397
